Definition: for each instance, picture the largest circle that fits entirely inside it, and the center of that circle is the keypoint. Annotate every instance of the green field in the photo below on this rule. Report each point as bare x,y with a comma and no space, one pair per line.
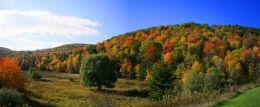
250,98
55,89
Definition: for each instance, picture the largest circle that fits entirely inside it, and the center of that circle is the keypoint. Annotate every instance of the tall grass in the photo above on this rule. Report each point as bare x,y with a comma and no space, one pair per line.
187,99
9,97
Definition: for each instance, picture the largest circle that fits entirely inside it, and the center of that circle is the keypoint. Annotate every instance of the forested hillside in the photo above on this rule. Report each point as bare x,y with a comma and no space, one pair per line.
184,64
232,50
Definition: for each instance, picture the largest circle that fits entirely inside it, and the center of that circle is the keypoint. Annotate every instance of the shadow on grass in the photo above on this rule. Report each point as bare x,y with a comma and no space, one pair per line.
228,100
44,80
126,93
33,103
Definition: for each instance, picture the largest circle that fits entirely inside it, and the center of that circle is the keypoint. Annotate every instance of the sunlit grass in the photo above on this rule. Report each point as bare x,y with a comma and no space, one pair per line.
250,98
56,89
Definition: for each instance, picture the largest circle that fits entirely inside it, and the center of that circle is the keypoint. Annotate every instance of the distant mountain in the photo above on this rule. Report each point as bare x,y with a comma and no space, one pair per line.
4,49
63,48
71,46
5,52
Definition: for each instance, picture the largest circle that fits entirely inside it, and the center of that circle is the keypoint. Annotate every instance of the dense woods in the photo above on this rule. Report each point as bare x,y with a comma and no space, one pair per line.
195,57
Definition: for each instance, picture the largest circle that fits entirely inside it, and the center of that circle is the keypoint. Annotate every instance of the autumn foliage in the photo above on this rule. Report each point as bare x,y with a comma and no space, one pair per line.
10,73
228,48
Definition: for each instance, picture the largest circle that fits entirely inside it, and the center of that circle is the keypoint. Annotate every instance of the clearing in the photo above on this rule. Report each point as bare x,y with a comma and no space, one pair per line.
56,89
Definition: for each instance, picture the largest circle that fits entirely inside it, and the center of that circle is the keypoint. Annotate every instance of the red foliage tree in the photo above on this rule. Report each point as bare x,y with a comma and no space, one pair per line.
167,46
207,47
127,42
10,73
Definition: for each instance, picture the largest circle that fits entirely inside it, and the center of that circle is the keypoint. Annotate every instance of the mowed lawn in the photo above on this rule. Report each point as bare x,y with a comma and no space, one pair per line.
56,89
250,98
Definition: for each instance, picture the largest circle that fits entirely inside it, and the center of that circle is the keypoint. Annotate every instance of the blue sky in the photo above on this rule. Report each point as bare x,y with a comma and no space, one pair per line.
38,24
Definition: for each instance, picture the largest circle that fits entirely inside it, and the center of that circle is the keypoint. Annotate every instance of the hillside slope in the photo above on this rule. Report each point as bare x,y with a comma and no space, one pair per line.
174,47
5,52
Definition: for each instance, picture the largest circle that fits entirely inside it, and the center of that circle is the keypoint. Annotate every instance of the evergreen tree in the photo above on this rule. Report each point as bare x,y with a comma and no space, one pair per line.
162,81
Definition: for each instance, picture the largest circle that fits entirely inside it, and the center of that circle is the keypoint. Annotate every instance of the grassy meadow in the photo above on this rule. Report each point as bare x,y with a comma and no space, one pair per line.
56,89
65,90
248,98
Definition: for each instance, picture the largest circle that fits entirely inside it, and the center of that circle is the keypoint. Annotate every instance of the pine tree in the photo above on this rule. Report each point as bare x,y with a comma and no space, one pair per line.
161,82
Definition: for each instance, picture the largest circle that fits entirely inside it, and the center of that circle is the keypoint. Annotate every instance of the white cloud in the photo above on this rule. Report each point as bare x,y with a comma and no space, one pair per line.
34,29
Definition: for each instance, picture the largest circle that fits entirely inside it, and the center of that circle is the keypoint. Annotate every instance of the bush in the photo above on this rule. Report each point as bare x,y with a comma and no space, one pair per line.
10,74
212,80
204,82
196,83
10,97
34,74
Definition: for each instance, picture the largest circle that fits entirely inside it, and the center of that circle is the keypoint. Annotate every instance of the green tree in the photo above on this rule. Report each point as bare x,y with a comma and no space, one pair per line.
62,57
77,63
179,71
97,70
190,59
91,49
162,81
140,73
195,82
212,80
27,60
252,72
34,74
70,67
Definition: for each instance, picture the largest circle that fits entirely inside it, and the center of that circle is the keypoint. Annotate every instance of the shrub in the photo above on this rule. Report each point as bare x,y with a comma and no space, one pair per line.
196,83
11,98
34,74
203,82
10,73
212,80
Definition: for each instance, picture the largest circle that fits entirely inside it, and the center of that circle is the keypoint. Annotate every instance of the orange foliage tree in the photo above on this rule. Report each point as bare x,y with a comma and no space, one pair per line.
10,73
